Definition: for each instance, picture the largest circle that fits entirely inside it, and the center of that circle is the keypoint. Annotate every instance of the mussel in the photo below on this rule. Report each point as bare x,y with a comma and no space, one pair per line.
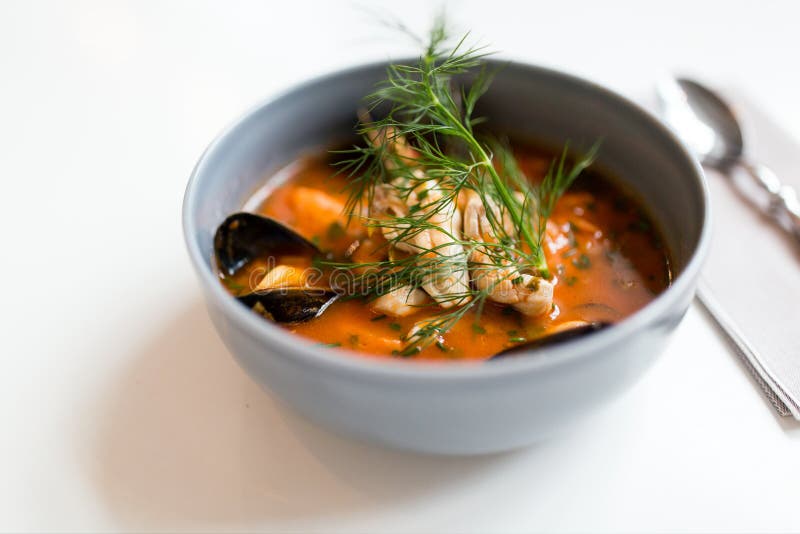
293,305
565,334
244,237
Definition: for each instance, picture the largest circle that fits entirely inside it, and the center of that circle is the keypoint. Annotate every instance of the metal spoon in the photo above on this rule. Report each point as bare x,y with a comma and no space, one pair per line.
710,129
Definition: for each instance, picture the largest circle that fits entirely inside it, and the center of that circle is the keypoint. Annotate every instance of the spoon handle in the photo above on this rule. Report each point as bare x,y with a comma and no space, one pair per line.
784,204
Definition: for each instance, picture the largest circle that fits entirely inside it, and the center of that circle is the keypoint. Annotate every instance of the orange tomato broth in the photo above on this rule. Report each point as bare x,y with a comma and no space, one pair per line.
605,254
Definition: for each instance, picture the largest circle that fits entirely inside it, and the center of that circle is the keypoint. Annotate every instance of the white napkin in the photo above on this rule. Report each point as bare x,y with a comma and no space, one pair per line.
751,280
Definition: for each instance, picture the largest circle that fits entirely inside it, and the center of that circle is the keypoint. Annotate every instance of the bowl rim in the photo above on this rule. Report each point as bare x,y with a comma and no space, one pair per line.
285,344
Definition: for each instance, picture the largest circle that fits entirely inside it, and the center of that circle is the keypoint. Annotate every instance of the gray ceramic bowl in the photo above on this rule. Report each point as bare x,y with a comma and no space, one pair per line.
452,408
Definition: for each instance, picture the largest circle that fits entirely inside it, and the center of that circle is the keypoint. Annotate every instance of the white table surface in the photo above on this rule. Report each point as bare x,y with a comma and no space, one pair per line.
120,410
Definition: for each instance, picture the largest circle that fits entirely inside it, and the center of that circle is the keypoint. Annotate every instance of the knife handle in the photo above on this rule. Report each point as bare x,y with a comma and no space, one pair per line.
784,204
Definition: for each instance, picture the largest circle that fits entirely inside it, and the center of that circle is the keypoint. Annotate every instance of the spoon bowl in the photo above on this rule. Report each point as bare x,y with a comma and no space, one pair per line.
703,120
710,129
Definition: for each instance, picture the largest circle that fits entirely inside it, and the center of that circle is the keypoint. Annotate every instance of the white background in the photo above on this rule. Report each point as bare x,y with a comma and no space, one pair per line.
121,410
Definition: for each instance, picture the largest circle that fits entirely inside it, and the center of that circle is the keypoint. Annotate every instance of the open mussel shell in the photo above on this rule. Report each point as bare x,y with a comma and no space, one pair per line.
293,305
545,341
242,237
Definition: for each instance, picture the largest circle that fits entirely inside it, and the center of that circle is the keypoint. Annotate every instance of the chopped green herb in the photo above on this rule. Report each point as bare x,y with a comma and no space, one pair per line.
582,262
378,318
573,241
410,351
441,346
639,225
395,326
517,281
232,284
354,340
335,230
568,254
512,333
517,340
329,345
571,280
478,329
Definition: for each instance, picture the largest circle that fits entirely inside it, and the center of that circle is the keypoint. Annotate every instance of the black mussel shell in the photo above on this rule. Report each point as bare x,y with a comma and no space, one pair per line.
292,305
564,335
243,237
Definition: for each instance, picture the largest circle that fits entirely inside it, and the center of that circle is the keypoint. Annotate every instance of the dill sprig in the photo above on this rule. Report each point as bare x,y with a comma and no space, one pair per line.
423,110
427,114
539,202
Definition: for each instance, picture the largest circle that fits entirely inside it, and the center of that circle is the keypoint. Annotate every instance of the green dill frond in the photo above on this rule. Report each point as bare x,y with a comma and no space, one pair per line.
418,129
556,182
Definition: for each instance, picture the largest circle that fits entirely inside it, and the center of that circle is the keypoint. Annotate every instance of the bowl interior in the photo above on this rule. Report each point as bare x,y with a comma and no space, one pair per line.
533,102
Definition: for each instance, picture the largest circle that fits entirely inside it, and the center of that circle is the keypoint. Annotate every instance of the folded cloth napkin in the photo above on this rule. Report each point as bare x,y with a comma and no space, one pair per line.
751,280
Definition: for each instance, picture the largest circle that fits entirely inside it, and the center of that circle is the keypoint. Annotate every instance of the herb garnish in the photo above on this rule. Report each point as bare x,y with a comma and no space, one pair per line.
425,107
582,262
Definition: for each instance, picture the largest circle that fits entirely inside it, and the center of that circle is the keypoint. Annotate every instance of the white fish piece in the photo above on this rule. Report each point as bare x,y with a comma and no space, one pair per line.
400,302
505,284
448,283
